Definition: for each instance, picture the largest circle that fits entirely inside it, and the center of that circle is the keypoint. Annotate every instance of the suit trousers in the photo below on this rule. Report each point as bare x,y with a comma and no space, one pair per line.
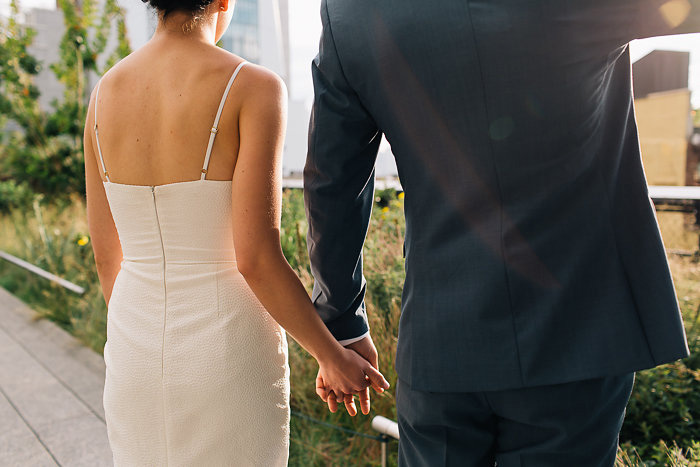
571,424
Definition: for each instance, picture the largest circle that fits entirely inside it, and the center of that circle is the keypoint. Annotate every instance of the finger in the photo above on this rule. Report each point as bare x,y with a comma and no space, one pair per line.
364,401
350,405
332,402
376,379
332,405
321,389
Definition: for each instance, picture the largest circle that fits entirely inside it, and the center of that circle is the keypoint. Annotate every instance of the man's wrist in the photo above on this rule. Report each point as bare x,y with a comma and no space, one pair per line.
346,342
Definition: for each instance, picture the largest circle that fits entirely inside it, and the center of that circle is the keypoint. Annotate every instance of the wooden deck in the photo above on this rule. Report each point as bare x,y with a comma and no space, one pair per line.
50,394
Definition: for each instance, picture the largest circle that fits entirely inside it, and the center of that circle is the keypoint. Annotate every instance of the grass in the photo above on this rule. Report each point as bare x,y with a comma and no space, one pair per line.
50,238
49,235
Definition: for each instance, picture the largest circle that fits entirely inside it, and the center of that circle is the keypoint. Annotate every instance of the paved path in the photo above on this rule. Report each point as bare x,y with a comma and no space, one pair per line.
50,394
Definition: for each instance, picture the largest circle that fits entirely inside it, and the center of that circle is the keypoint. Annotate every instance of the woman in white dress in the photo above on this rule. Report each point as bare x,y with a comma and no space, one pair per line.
183,145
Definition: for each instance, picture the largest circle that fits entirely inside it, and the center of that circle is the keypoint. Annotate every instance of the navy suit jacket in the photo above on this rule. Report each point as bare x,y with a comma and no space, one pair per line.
533,254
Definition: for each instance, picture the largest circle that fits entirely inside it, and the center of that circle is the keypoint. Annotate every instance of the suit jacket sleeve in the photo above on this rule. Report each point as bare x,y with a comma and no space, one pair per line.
338,191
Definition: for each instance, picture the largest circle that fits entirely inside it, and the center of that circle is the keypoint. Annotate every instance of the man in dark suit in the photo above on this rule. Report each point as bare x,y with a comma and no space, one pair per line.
536,279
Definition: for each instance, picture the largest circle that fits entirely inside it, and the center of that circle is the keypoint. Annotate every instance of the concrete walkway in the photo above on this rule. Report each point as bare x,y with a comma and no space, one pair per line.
50,394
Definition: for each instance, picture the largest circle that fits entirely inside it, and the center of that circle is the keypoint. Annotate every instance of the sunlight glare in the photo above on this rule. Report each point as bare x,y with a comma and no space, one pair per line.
675,12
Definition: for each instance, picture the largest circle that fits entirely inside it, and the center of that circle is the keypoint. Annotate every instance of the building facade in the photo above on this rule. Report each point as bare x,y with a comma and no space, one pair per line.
663,110
259,32
49,28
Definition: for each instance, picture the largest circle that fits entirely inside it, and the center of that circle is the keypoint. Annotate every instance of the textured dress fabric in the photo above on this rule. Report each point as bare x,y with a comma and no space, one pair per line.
197,370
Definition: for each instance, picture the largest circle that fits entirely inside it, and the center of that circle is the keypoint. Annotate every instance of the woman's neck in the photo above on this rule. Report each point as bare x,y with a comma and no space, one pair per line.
179,26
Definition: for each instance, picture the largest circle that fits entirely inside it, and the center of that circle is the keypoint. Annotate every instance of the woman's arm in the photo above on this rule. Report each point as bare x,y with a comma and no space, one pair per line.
257,199
103,233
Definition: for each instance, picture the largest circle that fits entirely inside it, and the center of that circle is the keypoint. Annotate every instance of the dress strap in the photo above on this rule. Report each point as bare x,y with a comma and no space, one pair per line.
215,127
97,136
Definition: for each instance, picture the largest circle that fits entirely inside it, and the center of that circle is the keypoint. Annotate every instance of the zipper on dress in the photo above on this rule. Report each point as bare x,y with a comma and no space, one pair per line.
162,247
165,312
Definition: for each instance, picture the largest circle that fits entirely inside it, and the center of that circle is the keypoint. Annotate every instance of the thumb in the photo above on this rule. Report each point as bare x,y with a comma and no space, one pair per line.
321,389
376,379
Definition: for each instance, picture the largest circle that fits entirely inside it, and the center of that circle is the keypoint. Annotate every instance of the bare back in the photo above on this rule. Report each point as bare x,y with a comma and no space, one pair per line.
156,109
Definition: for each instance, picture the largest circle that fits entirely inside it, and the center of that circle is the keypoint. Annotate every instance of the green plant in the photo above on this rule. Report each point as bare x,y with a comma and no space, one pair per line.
661,454
18,93
14,195
55,239
664,406
46,153
293,231
665,402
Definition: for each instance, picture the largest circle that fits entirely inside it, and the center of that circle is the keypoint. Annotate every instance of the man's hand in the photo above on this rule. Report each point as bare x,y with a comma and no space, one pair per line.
366,349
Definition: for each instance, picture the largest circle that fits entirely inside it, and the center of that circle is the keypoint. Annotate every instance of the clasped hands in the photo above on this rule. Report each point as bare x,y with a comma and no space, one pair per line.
357,368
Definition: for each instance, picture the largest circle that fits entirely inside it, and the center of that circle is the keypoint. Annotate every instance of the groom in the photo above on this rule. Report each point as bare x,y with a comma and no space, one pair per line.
536,280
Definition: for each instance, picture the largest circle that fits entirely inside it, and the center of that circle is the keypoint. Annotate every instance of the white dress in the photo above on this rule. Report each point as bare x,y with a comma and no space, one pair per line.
197,370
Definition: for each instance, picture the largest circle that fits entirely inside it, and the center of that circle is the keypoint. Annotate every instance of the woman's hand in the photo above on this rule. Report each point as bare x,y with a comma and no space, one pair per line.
347,374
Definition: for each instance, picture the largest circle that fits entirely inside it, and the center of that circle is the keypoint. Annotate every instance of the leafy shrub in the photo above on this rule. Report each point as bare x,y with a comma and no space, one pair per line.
55,239
46,152
15,195
664,406
661,454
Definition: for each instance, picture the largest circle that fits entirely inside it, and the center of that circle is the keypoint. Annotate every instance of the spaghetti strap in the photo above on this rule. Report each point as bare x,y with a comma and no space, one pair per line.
215,127
97,136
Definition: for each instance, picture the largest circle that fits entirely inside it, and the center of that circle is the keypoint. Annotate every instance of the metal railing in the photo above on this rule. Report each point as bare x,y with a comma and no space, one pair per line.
379,184
388,429
41,273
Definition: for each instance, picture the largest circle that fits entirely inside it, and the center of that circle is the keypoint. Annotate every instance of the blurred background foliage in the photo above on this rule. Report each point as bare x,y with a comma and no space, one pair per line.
41,150
42,220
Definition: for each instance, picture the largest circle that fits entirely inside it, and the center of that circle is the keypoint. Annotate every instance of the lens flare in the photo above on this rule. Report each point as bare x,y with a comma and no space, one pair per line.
675,12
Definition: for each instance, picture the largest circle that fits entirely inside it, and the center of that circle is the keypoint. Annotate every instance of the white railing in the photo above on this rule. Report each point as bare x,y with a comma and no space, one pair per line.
380,184
40,272
387,428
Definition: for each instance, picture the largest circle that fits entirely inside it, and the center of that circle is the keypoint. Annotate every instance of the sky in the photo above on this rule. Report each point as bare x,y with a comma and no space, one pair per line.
305,31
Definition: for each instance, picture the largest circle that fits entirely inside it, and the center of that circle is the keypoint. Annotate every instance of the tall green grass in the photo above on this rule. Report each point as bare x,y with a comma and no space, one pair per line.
660,429
55,238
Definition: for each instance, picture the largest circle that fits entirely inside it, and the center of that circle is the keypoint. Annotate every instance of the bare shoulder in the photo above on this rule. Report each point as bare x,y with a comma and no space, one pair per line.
120,68
261,85
263,109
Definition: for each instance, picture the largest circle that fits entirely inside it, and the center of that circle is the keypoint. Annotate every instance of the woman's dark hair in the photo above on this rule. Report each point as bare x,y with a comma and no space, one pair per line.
168,6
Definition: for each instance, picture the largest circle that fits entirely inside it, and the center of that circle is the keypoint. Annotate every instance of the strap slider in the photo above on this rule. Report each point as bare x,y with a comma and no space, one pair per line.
214,130
204,171
106,174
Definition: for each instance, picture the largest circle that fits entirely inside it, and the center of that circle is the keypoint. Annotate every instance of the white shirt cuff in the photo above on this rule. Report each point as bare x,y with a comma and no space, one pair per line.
346,342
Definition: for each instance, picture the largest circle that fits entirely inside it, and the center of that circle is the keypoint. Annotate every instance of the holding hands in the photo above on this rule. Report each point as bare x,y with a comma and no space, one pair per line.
351,372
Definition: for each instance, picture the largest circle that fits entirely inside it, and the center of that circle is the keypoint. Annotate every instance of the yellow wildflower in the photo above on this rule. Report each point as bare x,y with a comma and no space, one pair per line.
401,195
385,209
82,241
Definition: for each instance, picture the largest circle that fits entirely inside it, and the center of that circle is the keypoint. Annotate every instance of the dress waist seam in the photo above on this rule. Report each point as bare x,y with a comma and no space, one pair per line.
160,260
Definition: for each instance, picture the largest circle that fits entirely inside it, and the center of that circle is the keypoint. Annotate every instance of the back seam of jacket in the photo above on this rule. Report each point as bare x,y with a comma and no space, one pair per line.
500,196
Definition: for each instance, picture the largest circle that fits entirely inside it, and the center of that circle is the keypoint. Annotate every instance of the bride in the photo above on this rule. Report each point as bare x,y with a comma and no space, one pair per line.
183,146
